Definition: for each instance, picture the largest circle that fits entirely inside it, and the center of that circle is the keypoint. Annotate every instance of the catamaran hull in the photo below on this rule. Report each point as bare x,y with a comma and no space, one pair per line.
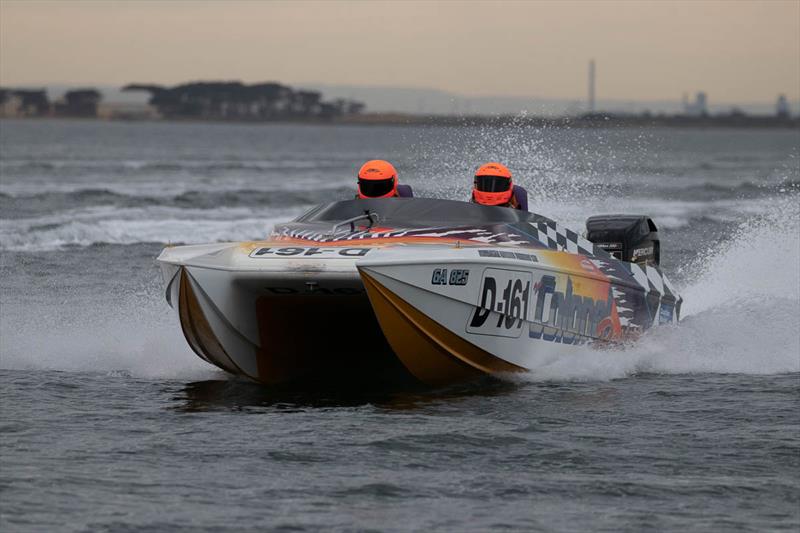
375,288
442,314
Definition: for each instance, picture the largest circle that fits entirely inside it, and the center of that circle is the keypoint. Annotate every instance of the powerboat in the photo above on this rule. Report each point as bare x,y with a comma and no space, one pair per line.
439,290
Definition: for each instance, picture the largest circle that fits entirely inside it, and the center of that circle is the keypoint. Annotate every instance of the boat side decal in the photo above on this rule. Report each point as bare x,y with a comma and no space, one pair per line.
507,294
309,252
547,305
483,235
456,276
508,255
570,318
557,237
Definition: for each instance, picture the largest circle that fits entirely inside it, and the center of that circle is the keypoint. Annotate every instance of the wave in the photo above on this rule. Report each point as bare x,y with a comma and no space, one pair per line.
29,205
134,226
25,166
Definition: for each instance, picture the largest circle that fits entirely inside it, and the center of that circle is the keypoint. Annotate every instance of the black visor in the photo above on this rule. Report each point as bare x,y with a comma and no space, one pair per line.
492,183
375,188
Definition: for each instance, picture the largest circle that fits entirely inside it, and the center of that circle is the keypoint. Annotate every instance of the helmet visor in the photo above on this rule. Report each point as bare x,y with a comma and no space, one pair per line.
492,183
375,188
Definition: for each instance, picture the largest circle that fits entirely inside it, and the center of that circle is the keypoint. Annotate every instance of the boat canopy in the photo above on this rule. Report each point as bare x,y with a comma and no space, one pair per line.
419,212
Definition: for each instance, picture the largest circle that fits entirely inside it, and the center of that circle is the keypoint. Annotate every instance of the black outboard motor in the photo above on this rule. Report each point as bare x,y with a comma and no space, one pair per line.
632,238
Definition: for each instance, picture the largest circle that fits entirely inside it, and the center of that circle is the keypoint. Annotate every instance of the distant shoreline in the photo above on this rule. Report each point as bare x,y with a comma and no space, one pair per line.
597,120
400,119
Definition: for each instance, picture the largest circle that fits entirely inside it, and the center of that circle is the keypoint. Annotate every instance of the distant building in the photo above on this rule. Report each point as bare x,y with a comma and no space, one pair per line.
698,108
782,107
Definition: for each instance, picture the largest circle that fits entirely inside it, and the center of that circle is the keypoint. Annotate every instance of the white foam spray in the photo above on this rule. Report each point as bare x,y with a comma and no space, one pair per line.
141,338
741,312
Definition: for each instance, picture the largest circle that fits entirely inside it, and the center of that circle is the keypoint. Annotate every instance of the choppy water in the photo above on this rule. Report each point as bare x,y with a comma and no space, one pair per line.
110,423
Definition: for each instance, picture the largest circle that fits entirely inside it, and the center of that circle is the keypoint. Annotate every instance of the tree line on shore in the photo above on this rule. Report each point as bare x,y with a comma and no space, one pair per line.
35,103
227,100
238,101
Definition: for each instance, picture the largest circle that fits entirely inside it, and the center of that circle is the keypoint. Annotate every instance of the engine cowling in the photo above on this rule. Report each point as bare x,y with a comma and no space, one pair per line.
632,238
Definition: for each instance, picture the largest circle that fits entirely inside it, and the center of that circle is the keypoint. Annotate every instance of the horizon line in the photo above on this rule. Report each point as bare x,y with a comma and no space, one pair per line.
677,98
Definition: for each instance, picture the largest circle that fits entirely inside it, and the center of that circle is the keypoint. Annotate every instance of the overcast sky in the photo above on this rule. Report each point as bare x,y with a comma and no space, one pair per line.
737,51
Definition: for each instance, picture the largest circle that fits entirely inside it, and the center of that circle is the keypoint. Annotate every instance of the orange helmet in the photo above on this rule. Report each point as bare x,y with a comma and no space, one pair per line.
492,185
377,179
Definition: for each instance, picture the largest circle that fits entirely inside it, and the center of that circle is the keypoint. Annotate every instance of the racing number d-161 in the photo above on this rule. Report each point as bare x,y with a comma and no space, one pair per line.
507,293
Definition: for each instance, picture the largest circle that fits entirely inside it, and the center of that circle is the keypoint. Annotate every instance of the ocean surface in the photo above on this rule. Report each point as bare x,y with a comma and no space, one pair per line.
110,423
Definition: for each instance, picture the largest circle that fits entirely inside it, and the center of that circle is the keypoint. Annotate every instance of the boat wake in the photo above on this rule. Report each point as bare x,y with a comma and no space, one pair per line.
138,337
741,313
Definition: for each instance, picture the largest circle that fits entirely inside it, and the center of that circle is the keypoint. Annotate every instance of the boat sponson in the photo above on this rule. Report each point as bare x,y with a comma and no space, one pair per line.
431,352
198,331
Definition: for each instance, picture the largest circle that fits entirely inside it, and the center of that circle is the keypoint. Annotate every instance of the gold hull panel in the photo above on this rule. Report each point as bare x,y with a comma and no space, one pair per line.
432,353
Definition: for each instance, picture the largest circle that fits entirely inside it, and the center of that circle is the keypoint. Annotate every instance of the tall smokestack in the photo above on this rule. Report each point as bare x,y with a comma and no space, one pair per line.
591,86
